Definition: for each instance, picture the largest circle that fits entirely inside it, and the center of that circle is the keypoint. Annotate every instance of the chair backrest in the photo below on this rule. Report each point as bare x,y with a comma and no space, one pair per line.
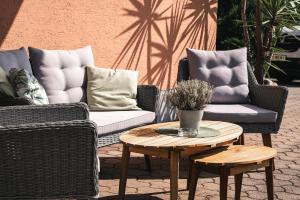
183,72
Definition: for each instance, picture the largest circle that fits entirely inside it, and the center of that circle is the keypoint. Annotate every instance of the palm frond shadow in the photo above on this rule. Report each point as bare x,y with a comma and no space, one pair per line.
147,18
148,15
198,28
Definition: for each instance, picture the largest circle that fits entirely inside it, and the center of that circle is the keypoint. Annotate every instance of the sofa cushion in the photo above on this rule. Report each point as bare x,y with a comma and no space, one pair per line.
6,89
225,70
109,89
239,113
116,121
62,72
16,58
26,85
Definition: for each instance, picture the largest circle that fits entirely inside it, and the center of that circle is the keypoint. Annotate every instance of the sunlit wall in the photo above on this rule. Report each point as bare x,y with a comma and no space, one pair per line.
145,35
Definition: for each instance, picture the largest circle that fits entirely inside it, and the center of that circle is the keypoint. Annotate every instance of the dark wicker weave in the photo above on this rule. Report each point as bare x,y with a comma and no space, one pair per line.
47,152
14,101
268,97
146,99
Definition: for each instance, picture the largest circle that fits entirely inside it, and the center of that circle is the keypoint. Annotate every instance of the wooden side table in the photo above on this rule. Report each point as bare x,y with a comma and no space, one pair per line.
234,161
146,140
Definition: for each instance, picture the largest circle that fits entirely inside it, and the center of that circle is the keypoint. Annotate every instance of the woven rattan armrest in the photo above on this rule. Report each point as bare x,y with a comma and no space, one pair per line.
49,160
270,97
14,115
147,96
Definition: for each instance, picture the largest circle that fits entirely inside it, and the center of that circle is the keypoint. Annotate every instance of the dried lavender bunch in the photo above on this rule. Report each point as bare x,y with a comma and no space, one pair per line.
190,95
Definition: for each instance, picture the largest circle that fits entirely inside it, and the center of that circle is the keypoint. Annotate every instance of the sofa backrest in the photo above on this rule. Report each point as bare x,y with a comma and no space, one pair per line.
62,72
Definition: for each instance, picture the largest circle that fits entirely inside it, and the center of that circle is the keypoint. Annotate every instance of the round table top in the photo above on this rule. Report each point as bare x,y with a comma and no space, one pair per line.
146,136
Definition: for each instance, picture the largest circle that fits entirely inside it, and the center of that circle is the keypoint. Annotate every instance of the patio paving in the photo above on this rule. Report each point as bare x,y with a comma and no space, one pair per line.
155,186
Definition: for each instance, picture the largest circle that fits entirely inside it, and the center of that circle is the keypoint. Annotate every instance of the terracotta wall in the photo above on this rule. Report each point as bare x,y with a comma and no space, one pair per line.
145,35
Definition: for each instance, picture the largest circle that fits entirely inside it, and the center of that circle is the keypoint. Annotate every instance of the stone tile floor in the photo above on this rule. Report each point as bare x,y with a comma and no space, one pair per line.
155,186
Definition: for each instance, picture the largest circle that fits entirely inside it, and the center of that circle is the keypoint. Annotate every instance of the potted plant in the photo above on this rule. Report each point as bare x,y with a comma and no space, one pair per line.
190,97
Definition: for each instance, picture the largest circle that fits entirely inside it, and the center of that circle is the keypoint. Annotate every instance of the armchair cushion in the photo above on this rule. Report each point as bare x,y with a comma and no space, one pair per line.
16,58
117,121
62,73
225,70
239,113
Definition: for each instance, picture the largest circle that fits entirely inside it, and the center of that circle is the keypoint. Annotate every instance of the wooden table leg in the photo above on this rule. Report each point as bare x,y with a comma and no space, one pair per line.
269,181
193,181
189,175
124,171
174,173
238,179
223,183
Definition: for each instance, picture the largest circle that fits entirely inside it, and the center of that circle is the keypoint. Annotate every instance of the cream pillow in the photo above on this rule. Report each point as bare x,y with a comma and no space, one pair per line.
109,89
6,89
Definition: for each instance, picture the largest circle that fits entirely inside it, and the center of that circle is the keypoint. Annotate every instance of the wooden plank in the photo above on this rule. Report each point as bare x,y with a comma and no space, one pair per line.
238,154
147,137
163,153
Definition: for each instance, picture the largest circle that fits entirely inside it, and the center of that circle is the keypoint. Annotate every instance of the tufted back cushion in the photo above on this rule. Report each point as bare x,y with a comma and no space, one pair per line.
16,58
62,73
225,70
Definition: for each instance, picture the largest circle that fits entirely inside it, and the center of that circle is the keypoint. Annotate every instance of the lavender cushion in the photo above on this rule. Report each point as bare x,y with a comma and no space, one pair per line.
225,70
239,113
16,58
62,72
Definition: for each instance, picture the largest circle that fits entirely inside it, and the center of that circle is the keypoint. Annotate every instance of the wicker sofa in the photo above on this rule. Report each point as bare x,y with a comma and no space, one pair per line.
62,73
49,151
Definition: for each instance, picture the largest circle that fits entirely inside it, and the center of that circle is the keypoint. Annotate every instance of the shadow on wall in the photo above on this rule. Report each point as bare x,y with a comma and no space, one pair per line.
148,13
8,11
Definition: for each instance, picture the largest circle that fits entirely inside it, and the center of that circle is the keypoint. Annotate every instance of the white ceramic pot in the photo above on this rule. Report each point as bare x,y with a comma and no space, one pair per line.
190,118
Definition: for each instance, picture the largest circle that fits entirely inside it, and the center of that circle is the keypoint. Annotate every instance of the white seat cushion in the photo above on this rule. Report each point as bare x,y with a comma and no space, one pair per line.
239,113
117,121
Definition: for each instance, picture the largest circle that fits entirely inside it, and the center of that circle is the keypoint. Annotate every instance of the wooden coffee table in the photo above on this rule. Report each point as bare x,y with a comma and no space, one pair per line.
146,140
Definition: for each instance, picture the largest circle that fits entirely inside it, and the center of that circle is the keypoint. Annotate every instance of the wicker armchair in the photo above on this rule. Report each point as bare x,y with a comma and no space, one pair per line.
267,97
47,152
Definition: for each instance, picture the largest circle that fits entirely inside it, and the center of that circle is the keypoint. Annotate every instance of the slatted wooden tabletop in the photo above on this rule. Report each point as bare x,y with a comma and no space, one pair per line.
146,136
237,154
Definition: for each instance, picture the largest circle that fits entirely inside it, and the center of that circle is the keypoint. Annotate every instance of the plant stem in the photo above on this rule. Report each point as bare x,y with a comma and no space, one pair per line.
245,25
259,48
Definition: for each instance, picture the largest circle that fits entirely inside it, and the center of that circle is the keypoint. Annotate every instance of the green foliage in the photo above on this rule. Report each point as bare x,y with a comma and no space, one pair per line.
276,14
190,95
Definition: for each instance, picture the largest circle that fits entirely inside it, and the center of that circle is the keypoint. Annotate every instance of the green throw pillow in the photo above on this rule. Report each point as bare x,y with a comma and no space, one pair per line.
6,89
109,89
26,85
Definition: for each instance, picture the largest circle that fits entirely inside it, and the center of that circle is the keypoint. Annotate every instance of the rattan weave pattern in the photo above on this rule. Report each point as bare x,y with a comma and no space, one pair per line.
43,113
12,101
108,139
146,99
147,96
48,160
